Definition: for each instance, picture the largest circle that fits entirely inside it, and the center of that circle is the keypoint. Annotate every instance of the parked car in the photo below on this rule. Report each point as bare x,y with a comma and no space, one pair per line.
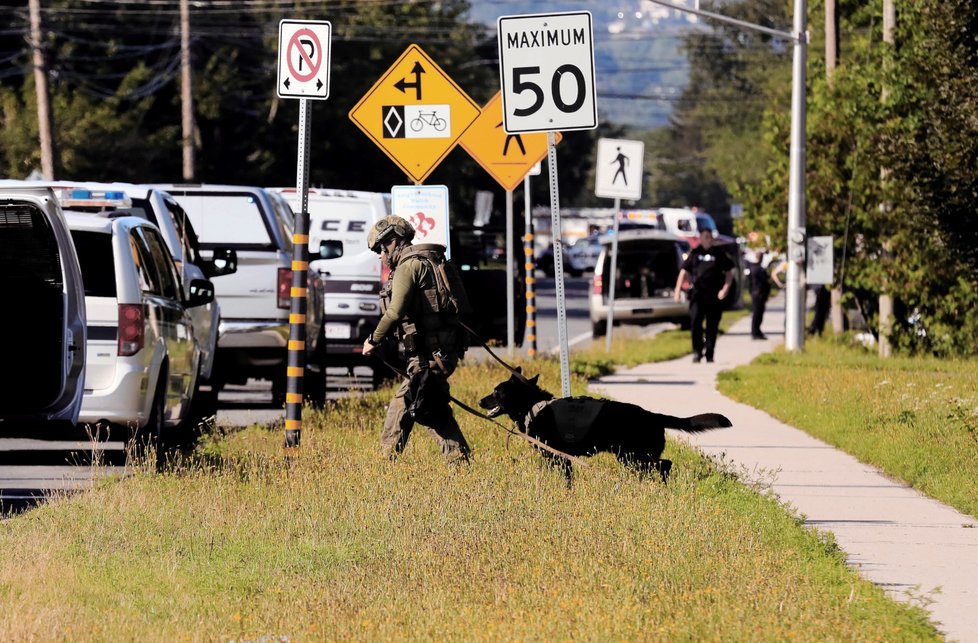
43,330
545,262
339,221
583,254
162,210
142,354
648,266
255,301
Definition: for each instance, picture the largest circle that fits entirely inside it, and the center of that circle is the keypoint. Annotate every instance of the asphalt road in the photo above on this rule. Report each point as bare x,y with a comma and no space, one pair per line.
33,465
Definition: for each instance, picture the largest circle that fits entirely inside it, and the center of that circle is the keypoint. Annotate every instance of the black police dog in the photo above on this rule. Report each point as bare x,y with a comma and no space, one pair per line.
584,426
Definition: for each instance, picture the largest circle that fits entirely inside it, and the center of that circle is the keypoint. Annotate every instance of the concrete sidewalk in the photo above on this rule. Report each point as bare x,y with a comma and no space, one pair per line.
917,549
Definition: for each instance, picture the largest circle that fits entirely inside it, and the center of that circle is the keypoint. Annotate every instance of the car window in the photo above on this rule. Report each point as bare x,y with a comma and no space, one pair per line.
30,249
684,225
149,280
162,263
185,232
142,209
235,219
94,250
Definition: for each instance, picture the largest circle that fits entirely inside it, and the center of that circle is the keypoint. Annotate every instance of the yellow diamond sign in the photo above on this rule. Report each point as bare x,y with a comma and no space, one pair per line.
415,113
507,157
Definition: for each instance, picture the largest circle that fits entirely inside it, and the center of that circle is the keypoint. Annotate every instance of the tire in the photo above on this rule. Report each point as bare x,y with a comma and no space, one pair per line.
685,323
599,328
314,387
279,387
154,432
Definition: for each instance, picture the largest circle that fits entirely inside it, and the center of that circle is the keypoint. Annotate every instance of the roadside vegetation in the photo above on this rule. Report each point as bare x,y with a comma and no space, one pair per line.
914,418
628,348
234,543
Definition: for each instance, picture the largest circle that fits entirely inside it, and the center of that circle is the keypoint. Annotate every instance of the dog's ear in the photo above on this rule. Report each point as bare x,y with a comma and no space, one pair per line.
533,380
519,369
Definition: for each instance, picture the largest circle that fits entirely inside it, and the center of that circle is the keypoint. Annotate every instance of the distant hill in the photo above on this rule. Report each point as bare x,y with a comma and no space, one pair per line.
640,65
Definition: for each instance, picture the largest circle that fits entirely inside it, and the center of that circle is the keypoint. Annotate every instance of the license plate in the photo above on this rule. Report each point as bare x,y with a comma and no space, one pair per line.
338,331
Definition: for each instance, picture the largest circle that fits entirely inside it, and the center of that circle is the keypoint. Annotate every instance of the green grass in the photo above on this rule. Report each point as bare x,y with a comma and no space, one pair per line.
592,360
340,544
914,418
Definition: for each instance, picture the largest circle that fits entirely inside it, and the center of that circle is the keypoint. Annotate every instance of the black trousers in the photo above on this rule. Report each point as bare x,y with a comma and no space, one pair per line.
758,300
705,308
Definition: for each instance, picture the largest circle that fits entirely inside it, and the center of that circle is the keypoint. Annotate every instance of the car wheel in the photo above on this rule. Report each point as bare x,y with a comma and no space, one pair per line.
314,387
154,431
599,328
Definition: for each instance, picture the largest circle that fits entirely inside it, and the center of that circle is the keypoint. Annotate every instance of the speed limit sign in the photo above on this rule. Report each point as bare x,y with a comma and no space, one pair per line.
546,70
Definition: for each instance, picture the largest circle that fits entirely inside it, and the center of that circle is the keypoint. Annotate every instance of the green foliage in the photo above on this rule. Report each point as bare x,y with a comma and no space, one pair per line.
340,544
914,418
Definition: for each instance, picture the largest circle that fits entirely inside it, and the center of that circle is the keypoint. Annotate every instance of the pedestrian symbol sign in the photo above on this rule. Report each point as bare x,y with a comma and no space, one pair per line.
618,170
507,157
415,113
303,59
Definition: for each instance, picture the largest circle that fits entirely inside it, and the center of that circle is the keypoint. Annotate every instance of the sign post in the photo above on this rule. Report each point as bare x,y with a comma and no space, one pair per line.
618,173
546,71
507,158
303,73
530,266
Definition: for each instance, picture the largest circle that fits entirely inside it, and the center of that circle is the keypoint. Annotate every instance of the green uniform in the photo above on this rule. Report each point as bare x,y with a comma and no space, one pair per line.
411,312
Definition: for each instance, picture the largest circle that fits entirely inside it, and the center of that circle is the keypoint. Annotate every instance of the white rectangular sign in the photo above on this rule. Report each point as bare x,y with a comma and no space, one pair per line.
819,268
618,169
303,59
546,71
426,208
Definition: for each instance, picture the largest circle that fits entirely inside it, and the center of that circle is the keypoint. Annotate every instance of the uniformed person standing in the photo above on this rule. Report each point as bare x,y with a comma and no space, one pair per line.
417,313
710,273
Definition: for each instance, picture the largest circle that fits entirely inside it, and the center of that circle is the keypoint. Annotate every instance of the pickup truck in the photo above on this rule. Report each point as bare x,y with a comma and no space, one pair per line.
255,301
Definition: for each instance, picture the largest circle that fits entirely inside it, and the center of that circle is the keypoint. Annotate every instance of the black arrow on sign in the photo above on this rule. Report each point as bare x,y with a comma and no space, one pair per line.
286,83
403,84
319,84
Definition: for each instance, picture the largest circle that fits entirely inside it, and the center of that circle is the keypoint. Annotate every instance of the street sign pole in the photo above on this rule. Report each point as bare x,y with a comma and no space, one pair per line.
300,267
611,283
510,290
531,308
557,234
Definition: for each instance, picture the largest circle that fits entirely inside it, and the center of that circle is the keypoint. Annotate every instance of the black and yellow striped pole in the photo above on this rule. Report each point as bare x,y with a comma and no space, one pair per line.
530,266
300,273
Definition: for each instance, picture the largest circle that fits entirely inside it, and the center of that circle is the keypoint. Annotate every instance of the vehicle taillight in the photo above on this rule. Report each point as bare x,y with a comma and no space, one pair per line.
597,284
132,329
285,288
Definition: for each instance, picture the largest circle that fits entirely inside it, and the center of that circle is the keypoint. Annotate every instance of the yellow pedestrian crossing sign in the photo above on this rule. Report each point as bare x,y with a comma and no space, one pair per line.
415,113
506,157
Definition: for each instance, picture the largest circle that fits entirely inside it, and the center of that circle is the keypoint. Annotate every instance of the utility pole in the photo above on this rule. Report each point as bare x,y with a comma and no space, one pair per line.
44,120
831,62
186,92
886,299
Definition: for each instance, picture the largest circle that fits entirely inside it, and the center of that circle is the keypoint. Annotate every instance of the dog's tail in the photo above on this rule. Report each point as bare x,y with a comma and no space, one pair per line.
696,423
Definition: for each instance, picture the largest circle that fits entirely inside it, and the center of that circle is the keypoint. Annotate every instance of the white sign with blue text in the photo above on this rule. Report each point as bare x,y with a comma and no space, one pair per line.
426,208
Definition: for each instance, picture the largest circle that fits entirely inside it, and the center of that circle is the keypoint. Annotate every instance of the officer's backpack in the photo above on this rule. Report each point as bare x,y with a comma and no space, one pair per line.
450,296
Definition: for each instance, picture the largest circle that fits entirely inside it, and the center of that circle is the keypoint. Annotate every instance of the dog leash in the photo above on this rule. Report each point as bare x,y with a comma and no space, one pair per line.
519,375
519,434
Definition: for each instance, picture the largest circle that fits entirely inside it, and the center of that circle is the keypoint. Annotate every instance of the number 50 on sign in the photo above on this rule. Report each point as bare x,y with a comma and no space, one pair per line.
546,69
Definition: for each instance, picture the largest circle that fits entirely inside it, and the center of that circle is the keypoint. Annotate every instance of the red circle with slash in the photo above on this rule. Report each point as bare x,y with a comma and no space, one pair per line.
304,55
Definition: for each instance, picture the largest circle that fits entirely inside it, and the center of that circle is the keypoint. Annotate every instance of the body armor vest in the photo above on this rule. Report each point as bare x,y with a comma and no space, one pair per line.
431,323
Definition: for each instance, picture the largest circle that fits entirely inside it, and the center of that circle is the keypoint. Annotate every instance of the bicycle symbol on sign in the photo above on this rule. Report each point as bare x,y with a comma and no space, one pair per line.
428,118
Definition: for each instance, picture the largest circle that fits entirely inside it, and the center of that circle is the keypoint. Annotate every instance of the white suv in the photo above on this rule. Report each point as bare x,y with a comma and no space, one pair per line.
43,328
142,353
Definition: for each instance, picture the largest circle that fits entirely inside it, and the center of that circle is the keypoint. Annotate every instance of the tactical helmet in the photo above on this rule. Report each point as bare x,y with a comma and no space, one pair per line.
391,225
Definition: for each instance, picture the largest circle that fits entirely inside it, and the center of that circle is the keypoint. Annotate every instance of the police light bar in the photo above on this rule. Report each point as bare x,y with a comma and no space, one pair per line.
80,198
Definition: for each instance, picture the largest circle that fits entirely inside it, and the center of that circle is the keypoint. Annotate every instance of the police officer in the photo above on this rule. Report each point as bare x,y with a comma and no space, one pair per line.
760,290
415,313
710,273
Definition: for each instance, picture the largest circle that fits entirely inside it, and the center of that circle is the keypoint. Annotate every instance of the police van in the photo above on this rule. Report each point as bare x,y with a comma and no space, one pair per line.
339,221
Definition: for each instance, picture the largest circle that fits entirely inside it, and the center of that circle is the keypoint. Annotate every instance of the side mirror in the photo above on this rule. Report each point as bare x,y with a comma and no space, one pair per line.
201,293
330,249
225,262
